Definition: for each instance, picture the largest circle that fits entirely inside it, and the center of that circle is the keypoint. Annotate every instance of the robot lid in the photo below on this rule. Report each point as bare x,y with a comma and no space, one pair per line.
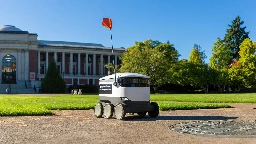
126,74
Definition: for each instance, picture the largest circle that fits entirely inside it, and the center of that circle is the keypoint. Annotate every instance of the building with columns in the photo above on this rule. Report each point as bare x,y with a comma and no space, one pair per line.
24,58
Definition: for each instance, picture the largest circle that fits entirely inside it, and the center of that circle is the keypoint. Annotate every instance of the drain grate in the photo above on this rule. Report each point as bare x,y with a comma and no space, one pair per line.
216,128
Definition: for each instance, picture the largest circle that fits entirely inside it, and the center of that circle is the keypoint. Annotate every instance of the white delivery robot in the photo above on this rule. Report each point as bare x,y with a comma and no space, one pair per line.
129,93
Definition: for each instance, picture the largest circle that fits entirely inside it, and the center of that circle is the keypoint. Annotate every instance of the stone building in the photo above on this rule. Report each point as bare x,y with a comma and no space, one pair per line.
24,58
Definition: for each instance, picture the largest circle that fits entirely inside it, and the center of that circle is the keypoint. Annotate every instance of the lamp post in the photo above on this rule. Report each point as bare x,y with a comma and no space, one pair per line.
63,75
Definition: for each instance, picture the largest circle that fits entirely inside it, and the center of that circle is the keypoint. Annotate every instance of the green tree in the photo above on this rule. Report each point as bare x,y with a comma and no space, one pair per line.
180,73
196,55
53,82
151,58
235,74
111,67
248,61
235,35
221,55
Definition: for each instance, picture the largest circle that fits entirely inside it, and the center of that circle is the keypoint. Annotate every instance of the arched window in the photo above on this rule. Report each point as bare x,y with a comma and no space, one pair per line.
9,69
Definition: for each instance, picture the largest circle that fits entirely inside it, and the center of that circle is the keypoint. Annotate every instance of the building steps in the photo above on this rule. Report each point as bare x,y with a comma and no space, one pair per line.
16,89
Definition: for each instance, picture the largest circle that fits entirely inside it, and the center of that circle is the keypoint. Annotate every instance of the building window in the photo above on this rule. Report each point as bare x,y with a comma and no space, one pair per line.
89,69
59,58
90,82
104,68
59,67
9,69
74,69
42,57
42,68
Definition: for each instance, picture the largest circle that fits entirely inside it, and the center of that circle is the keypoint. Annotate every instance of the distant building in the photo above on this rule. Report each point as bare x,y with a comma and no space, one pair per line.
25,58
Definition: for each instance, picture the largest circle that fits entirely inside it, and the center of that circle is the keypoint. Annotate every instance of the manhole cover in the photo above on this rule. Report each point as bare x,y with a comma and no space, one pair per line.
217,128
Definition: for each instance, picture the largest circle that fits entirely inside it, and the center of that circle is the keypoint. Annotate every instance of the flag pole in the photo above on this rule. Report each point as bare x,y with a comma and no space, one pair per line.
107,22
113,57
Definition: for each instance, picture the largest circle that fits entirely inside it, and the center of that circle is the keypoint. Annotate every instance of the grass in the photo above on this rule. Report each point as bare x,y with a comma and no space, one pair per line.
207,98
18,105
42,105
166,105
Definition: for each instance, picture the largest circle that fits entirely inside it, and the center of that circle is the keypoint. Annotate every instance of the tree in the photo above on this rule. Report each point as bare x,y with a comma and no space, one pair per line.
235,74
180,73
196,55
221,55
235,35
53,82
248,61
111,67
151,58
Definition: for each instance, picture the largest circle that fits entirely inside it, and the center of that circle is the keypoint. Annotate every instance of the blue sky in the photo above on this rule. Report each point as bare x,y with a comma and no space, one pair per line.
182,22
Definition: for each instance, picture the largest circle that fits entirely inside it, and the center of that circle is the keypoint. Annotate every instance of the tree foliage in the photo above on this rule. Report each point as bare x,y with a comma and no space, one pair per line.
221,55
196,55
151,58
111,67
247,61
53,82
235,35
229,55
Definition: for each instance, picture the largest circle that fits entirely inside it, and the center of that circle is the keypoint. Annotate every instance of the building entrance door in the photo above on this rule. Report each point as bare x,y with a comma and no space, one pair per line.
9,69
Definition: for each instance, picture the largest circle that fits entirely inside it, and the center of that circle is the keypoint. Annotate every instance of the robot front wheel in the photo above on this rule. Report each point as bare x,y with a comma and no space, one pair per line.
108,110
98,110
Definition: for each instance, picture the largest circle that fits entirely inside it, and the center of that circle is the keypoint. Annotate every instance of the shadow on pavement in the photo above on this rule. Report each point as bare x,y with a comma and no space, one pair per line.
137,118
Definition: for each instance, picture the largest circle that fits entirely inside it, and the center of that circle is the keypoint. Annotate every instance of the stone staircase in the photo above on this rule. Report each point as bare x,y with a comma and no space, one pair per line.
16,89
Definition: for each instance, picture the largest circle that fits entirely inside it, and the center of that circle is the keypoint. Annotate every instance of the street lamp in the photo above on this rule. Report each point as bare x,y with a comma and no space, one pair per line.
63,75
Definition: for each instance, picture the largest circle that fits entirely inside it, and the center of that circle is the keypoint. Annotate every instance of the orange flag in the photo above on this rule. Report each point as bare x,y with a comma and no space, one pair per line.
107,22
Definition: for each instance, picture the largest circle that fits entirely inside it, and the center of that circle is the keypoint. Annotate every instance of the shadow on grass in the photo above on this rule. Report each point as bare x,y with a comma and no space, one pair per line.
147,118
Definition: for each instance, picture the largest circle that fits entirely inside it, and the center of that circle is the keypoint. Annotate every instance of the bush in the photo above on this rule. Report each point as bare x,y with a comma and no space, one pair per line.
53,82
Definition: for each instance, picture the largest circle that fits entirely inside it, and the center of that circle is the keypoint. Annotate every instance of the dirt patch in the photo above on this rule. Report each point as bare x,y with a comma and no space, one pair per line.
80,126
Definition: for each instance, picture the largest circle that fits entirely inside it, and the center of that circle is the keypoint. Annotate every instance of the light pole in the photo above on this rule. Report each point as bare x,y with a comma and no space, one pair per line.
63,75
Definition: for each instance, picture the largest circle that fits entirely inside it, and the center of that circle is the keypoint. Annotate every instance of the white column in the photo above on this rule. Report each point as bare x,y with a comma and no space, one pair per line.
86,64
108,62
55,57
19,65
115,59
79,64
38,62
94,64
63,62
26,65
46,63
101,64
22,64
71,63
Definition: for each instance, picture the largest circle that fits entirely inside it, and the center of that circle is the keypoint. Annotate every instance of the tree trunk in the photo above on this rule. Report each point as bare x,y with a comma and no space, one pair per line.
155,88
207,89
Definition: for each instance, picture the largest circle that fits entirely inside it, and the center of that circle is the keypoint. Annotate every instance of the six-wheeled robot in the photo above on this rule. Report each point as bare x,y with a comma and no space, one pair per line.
128,93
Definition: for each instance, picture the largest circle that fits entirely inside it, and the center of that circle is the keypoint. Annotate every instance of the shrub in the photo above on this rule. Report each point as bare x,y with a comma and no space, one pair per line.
53,82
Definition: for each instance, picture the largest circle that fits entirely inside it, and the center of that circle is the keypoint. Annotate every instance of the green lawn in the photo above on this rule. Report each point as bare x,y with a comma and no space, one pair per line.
207,98
12,105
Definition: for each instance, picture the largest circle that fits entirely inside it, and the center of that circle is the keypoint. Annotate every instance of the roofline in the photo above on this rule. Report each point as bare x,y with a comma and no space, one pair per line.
15,32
